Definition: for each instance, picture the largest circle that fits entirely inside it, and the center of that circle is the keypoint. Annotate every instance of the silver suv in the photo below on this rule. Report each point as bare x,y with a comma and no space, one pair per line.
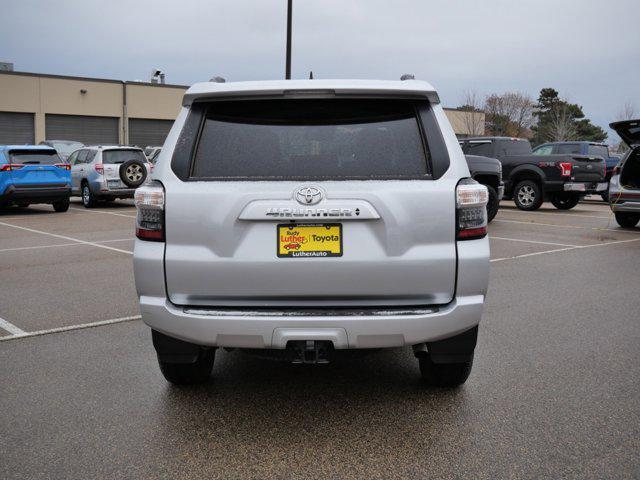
310,216
107,172
624,187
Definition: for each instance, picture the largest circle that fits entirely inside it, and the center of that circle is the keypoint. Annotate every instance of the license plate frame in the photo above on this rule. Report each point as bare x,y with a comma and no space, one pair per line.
295,248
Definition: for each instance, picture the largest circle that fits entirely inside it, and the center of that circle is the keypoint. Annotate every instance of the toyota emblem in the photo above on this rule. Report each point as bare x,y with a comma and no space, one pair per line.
308,195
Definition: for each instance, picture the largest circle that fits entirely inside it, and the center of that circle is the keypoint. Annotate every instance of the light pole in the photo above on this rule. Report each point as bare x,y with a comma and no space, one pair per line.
288,68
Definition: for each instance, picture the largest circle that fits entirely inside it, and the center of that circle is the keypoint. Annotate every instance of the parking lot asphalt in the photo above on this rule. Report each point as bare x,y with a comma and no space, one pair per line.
554,393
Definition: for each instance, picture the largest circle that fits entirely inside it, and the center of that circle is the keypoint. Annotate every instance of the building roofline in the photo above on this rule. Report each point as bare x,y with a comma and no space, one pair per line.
91,79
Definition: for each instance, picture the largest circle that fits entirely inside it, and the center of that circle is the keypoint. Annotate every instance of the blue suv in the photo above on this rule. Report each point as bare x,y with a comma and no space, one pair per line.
34,174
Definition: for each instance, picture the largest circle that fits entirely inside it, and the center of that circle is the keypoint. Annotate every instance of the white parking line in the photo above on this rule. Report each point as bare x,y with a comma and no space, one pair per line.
60,245
563,250
23,334
566,215
619,230
491,237
84,210
64,237
11,328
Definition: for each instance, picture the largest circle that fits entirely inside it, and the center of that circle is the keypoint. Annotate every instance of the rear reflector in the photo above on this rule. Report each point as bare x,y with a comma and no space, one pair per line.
149,201
471,209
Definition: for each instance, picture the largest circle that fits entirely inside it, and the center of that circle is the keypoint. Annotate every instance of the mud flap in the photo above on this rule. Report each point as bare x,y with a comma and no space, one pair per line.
457,349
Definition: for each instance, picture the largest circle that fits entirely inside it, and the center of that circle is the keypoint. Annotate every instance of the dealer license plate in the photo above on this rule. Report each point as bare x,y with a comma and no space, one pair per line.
309,240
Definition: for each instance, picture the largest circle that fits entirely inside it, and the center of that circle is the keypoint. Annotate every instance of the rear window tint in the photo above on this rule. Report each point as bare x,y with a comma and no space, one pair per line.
478,148
599,150
34,157
514,147
567,149
121,156
324,139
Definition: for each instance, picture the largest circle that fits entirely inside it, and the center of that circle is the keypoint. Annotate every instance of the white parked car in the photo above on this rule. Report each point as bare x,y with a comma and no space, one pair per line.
308,216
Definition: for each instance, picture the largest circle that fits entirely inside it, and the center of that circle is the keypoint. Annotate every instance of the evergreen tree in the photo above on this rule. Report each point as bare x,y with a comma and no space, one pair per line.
559,120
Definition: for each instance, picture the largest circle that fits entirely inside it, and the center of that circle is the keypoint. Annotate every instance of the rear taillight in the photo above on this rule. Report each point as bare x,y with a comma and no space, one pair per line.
565,168
150,167
149,201
11,166
99,168
616,170
64,166
471,210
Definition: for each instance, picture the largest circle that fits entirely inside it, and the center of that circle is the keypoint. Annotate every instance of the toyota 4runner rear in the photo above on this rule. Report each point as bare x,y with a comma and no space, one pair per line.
312,216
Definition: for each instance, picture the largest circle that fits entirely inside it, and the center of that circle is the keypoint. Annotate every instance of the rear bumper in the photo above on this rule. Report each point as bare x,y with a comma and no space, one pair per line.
252,329
35,193
121,193
583,187
586,187
624,201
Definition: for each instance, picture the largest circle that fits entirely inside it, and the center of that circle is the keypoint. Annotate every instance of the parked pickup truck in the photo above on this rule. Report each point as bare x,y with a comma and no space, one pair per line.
488,172
531,179
581,148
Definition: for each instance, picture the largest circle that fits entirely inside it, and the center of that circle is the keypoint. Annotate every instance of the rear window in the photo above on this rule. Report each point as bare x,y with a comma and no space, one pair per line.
324,139
478,148
121,156
34,157
567,149
599,150
514,147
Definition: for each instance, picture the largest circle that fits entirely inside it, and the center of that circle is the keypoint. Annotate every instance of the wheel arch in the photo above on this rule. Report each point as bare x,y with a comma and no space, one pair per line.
487,179
526,172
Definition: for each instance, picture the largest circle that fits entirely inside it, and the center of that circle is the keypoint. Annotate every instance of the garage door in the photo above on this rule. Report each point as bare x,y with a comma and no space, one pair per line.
16,128
88,130
143,132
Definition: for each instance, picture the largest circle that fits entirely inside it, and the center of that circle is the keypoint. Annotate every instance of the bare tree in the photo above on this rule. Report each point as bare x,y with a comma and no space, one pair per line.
627,112
562,127
472,118
509,114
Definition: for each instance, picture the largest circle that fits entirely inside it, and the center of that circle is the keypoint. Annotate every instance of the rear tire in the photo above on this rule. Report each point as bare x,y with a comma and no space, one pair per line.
627,220
493,204
527,195
189,373
88,198
565,201
444,374
61,205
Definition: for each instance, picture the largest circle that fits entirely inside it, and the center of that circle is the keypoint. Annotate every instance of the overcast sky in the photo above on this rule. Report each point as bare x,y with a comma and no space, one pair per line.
586,49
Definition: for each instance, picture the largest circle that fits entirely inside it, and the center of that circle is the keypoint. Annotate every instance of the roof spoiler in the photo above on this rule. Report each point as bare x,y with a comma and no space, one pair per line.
309,89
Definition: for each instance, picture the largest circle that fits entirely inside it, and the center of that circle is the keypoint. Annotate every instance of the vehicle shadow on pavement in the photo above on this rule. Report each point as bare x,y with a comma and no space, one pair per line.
319,416
25,212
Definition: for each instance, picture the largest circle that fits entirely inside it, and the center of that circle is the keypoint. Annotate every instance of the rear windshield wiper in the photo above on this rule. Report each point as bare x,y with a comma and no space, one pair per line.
31,162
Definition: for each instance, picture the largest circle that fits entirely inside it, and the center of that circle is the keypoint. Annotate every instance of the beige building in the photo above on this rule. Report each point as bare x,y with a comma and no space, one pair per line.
466,123
35,107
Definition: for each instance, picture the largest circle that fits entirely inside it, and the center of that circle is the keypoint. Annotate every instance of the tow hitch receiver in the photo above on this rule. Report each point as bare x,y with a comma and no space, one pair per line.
311,351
